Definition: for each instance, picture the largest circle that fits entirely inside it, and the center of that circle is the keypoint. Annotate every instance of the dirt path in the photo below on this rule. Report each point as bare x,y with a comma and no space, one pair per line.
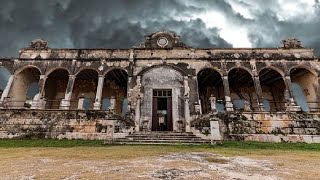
53,164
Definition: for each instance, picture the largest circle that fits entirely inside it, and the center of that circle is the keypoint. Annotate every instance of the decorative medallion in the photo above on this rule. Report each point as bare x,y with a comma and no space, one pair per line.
162,42
291,43
39,44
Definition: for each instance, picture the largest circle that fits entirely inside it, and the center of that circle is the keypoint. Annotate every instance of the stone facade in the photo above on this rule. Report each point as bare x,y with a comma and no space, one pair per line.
163,77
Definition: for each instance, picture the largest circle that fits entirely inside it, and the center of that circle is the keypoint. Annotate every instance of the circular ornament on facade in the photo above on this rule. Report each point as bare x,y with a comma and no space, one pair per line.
162,42
297,55
265,55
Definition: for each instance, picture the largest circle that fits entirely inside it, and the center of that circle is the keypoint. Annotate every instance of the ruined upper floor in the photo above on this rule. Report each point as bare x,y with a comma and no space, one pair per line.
167,45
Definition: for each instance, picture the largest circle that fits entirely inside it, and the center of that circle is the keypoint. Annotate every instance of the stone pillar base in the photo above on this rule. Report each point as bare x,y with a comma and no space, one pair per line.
97,105
229,106
261,107
215,130
293,108
65,104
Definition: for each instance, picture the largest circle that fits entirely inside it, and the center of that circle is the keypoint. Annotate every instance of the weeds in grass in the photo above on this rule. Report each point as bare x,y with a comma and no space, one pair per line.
216,160
242,145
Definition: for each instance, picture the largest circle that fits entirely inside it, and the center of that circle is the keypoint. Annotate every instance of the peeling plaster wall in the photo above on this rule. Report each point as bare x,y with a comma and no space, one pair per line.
309,85
161,78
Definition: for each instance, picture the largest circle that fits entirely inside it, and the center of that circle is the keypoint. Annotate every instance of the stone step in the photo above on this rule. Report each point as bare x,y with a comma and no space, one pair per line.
161,141
150,138
155,136
160,137
162,133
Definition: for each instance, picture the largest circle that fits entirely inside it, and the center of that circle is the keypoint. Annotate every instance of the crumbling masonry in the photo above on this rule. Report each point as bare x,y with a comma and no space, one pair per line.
268,94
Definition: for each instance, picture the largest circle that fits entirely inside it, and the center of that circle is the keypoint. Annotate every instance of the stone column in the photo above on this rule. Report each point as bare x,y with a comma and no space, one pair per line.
258,89
112,103
65,103
81,102
137,115
186,104
6,91
97,103
213,101
290,101
227,94
39,101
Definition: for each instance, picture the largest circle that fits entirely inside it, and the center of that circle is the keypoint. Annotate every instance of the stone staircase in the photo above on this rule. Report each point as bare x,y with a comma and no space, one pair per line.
162,137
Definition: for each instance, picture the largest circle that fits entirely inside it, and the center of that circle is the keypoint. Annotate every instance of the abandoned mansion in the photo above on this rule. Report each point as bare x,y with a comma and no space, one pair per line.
263,94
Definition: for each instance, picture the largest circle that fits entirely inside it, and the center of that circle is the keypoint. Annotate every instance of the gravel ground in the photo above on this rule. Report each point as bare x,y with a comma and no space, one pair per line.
187,165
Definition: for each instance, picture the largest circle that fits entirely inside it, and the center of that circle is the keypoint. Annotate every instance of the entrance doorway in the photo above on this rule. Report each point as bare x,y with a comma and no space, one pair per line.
162,110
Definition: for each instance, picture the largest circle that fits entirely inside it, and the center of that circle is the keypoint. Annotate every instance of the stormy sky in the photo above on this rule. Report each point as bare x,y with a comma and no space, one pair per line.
124,23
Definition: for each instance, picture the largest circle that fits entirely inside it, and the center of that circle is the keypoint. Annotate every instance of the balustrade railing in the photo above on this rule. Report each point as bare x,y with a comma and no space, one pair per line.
271,106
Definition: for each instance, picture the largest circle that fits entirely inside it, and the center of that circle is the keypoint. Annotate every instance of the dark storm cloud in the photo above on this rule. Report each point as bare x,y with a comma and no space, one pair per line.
124,23
267,29
110,24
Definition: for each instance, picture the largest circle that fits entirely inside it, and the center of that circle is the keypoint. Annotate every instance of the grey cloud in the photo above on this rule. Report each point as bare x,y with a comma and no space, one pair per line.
124,23
110,24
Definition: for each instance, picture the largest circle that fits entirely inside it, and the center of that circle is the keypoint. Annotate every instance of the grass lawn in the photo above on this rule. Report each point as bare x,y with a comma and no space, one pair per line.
226,148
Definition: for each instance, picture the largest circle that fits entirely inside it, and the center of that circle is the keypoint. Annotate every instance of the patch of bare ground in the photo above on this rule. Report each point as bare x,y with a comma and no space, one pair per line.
148,162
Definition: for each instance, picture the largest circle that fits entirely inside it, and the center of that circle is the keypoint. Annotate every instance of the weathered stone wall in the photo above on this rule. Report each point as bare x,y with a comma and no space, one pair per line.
62,124
273,127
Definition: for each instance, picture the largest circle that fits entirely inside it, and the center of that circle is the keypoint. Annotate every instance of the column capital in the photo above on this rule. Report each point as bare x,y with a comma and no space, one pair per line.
43,76
101,76
71,76
287,77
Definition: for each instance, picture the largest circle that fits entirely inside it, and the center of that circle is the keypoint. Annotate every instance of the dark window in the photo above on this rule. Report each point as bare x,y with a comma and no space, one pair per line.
162,93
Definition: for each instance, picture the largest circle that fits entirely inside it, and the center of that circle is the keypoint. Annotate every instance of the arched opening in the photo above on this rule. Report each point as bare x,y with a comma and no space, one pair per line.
115,91
304,88
84,89
210,85
162,105
242,91
24,88
4,77
55,88
273,90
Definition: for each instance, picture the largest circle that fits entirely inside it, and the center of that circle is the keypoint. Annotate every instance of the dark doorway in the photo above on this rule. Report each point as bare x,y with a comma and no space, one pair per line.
162,110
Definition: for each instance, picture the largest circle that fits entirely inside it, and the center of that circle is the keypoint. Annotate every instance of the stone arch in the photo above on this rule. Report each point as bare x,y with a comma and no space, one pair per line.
115,87
146,70
210,84
113,68
301,66
282,73
4,77
241,67
55,87
162,78
19,70
20,93
211,67
85,87
273,89
86,68
305,86
242,90
48,72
